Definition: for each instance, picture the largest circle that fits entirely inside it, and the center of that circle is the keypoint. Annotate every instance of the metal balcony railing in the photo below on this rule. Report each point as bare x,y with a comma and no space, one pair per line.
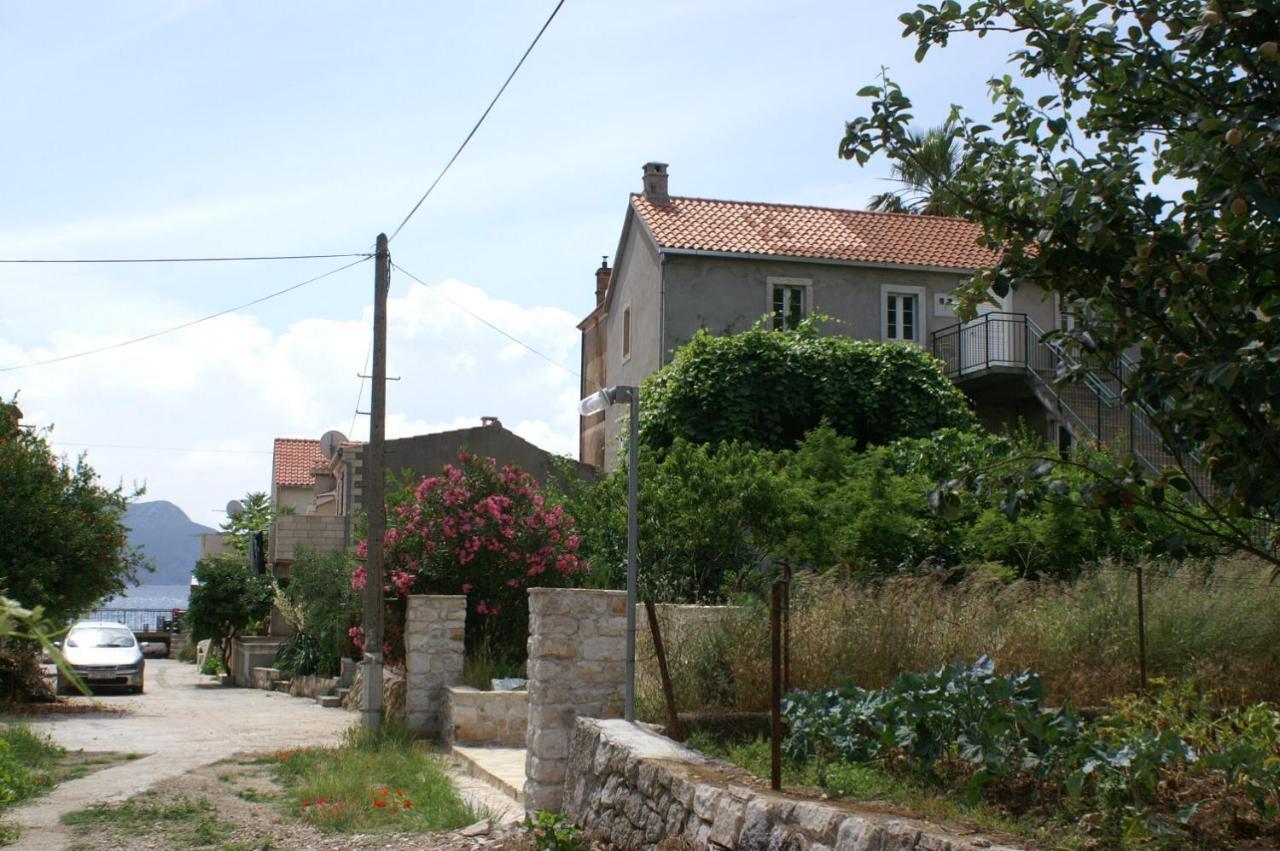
1088,397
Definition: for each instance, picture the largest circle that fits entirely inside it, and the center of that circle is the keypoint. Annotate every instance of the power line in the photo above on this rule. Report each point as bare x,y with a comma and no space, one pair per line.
160,448
190,259
360,393
484,321
152,336
483,116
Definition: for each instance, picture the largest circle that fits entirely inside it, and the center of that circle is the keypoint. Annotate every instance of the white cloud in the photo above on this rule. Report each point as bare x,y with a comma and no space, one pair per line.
233,384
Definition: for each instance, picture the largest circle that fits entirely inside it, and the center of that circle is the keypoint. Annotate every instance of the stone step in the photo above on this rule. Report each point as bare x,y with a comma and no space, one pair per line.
329,700
343,692
281,686
502,768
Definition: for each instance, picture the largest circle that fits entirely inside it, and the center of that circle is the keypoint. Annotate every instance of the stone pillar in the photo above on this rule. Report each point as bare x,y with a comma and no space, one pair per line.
434,643
577,666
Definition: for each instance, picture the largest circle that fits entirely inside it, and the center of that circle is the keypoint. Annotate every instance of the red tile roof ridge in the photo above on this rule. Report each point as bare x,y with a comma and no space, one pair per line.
910,216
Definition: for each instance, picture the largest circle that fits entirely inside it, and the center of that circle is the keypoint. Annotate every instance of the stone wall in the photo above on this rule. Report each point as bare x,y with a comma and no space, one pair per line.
313,531
435,626
475,717
639,788
577,667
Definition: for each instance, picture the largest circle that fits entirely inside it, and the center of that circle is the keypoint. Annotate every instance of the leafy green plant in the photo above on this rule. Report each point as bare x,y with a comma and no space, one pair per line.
997,724
27,761
553,831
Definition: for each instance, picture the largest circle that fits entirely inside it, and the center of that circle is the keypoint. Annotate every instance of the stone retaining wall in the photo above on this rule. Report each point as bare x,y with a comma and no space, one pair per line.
577,649
639,788
435,626
474,717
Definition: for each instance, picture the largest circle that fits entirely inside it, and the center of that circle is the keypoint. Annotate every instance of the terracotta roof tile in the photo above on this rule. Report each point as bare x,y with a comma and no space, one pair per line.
789,230
294,460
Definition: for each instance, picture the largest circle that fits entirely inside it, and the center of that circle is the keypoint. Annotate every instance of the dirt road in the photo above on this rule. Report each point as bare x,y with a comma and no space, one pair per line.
183,721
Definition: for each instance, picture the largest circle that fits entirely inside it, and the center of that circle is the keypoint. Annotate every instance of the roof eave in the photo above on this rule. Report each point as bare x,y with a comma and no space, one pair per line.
826,261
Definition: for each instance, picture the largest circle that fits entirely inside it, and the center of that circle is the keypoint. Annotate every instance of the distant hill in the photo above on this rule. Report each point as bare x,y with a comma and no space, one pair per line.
168,537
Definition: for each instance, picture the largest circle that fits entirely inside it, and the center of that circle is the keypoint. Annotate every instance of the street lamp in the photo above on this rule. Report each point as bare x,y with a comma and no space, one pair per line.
594,404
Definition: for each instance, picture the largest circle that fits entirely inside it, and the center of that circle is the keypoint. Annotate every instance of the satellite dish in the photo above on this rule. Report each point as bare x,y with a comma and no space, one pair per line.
329,443
234,507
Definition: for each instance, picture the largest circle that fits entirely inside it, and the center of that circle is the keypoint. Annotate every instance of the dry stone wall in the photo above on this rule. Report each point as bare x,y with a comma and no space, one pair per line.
577,667
639,788
435,626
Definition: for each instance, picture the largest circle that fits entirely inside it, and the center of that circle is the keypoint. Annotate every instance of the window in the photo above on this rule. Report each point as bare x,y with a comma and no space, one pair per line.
789,301
900,313
626,332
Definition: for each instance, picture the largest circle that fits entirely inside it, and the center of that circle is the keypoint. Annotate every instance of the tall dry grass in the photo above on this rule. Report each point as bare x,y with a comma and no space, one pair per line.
1217,623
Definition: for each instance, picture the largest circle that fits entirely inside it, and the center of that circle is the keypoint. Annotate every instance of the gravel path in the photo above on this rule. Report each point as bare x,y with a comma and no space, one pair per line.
182,722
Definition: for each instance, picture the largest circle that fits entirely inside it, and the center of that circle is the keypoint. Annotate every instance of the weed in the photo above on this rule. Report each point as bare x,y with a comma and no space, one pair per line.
553,831
254,796
374,782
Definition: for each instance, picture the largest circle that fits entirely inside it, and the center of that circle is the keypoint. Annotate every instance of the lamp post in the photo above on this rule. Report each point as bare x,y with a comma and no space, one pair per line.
594,404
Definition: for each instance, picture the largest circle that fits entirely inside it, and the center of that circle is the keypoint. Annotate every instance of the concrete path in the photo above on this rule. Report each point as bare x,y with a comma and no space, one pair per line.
501,768
183,721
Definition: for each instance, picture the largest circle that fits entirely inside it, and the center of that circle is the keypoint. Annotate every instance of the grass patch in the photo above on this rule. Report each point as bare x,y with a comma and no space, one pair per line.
870,784
372,783
184,822
254,796
481,668
28,764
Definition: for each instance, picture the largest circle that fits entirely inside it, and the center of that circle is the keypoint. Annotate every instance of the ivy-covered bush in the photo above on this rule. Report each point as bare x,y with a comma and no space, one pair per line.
770,388
477,530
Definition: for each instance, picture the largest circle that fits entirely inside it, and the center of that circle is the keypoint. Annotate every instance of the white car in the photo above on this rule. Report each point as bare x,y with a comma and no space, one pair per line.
102,654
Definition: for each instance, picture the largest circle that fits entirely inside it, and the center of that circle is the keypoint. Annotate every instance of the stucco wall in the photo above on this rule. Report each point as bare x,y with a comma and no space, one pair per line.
728,295
639,788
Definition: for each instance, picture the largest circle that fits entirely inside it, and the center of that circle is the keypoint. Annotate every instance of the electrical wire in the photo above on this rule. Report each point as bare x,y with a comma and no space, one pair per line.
159,448
192,259
362,258
484,321
483,116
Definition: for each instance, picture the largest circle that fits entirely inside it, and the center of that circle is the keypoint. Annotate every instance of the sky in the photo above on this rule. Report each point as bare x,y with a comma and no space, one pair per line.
172,128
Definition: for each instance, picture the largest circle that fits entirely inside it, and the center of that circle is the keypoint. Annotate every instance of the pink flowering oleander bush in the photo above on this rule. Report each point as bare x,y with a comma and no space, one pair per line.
477,530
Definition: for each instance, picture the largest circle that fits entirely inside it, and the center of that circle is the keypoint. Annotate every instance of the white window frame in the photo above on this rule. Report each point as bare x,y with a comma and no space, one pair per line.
921,319
627,333
805,284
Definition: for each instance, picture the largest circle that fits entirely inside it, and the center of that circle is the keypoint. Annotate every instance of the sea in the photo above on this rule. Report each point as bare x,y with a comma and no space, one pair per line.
151,597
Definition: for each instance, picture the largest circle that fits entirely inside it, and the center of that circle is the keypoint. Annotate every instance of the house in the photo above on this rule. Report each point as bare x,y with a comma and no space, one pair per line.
322,481
686,263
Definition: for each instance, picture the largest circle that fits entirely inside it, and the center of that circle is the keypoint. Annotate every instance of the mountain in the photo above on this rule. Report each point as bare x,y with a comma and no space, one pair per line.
168,537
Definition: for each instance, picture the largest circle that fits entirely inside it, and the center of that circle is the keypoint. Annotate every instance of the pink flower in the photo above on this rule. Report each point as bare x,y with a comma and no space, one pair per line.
513,583
359,578
362,549
466,587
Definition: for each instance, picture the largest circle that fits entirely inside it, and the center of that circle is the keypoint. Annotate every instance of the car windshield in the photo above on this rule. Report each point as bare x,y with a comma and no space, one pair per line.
97,637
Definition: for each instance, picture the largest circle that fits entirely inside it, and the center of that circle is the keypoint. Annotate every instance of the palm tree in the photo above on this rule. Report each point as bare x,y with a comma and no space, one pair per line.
931,162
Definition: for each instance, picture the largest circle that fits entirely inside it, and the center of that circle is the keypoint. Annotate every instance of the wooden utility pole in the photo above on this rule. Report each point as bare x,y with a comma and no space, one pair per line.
375,479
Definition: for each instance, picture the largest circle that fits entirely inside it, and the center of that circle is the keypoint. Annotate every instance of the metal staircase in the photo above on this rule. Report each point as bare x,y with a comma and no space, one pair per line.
1090,407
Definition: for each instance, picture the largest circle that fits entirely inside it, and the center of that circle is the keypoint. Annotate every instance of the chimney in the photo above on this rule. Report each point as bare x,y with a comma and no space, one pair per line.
602,280
655,183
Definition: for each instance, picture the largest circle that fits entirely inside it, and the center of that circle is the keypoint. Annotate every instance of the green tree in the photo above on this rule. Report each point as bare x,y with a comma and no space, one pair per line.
64,546
924,178
256,515
228,600
319,603
1139,182
769,388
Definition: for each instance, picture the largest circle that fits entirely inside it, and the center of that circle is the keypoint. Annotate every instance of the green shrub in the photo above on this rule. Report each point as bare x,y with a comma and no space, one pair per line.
552,831
228,600
318,601
770,388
